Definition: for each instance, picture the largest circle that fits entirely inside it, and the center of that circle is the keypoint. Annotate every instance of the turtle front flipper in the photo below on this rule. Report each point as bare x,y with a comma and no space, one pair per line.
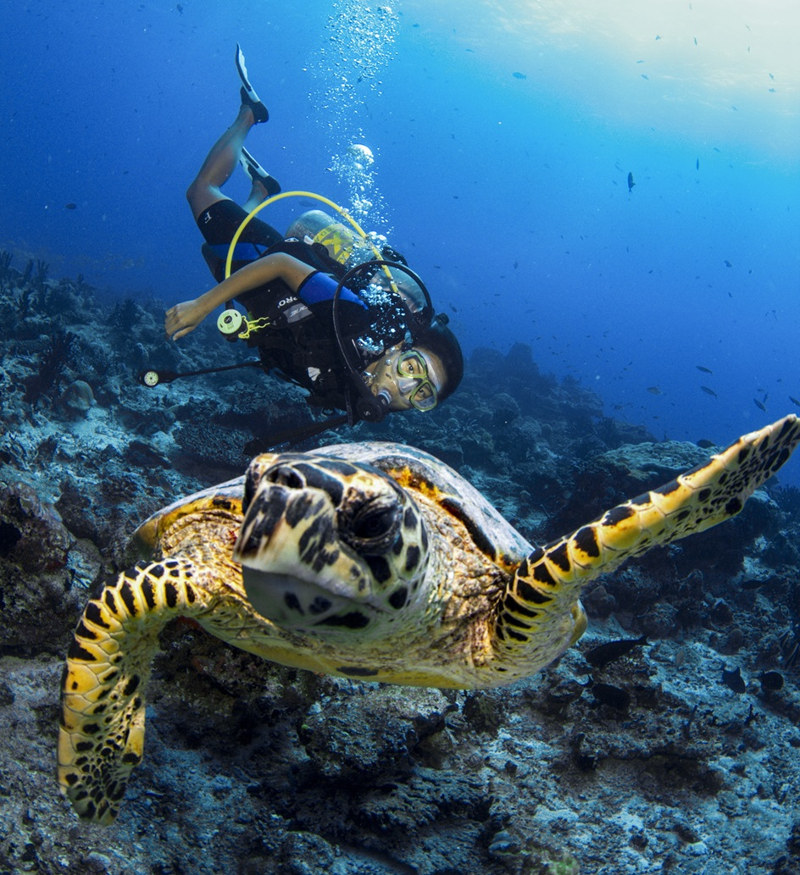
547,584
101,736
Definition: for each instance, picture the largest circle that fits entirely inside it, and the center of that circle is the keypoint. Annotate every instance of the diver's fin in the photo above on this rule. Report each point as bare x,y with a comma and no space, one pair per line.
257,173
249,96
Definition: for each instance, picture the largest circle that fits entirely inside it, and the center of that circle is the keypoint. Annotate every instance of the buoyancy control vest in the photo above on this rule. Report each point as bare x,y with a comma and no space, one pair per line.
296,341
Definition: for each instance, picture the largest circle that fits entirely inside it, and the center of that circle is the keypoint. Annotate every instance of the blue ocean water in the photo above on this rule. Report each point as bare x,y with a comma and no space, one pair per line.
503,136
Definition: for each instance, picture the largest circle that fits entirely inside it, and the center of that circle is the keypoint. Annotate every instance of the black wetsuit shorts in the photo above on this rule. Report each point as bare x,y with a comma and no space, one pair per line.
218,224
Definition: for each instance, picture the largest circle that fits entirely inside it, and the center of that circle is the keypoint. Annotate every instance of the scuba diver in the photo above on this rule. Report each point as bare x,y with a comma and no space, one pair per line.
328,311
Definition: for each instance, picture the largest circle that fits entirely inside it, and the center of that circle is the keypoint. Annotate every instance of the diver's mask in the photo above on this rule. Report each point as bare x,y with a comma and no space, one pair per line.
388,381
410,375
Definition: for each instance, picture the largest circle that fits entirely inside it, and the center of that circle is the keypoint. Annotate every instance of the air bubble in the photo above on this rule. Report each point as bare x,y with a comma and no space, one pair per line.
360,44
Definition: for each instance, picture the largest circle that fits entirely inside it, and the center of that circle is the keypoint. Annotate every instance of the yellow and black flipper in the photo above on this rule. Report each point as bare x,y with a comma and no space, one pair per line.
545,590
101,737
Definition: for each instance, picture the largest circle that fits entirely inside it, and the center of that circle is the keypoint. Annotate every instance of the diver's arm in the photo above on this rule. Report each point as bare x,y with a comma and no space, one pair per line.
186,316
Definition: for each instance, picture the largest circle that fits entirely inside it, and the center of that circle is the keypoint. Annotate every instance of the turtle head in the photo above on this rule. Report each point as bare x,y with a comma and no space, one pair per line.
329,546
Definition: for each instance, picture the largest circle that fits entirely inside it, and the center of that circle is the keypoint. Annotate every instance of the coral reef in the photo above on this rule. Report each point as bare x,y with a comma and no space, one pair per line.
679,755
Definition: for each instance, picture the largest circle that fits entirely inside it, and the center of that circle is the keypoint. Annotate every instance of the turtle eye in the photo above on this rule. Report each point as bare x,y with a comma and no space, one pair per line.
373,522
372,526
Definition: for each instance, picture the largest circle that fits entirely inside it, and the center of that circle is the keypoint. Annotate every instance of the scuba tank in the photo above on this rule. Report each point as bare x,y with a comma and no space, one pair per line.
316,226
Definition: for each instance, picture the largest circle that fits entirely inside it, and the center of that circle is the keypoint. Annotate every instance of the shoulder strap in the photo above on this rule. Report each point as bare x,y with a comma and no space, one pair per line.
312,254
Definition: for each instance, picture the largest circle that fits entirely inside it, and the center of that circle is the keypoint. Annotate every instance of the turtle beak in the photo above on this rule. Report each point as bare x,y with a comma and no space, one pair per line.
280,598
294,603
294,571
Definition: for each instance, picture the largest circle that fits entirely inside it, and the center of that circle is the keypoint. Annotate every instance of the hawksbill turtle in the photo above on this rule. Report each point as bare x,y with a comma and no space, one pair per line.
369,560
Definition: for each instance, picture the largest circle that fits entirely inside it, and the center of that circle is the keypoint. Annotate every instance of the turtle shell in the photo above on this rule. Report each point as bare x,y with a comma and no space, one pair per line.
413,469
224,496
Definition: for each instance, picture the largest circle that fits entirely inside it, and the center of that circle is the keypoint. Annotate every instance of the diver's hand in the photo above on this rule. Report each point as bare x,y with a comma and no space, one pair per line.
184,317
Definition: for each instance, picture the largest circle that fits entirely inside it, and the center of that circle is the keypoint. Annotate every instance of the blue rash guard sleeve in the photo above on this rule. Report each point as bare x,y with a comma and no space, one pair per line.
318,287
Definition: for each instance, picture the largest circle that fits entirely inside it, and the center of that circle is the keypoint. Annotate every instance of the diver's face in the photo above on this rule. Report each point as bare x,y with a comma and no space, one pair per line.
409,378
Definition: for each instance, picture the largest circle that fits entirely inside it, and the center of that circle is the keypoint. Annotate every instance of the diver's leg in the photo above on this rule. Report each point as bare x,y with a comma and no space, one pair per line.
219,164
229,148
263,185
257,194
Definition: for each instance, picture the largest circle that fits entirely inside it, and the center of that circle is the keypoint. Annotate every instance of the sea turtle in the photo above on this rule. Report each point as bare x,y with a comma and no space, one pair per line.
367,560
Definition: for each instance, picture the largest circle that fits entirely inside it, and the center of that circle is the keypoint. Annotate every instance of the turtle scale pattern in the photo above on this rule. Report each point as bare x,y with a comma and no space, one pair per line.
379,562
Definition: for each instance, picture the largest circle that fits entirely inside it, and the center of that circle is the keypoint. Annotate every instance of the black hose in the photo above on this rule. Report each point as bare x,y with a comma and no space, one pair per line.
152,378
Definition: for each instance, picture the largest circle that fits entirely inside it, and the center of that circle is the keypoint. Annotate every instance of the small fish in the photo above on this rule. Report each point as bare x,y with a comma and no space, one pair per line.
727,263
794,400
631,183
755,583
759,405
654,390
697,164
608,694
519,75
705,444
733,678
704,370
604,653
708,391
771,681
70,206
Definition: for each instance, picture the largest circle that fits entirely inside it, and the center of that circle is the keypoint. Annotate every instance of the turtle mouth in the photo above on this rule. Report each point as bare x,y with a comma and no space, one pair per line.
294,603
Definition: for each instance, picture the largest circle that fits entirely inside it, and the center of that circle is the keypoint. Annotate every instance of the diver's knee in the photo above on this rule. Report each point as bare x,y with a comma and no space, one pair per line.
201,195
195,190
